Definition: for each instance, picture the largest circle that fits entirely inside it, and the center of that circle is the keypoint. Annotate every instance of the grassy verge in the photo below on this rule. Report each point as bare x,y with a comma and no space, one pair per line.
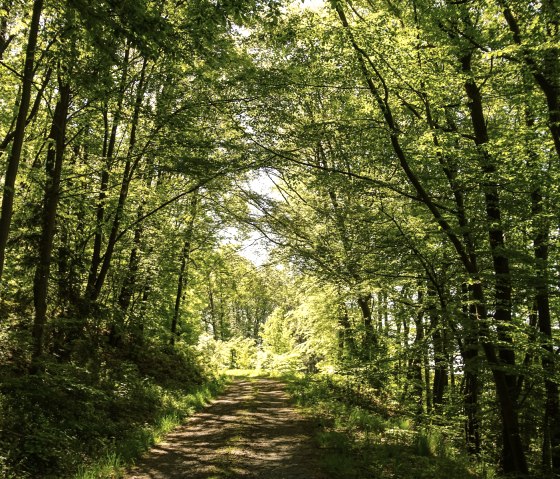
374,439
122,454
89,420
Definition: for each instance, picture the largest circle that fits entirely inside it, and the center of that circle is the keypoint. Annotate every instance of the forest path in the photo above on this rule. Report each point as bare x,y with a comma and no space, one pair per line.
251,431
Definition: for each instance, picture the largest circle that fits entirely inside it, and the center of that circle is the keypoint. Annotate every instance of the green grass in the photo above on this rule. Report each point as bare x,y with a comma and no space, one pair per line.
360,442
123,453
91,420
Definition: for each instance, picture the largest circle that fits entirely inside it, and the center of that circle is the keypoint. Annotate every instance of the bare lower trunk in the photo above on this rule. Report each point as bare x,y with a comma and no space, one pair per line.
19,134
55,155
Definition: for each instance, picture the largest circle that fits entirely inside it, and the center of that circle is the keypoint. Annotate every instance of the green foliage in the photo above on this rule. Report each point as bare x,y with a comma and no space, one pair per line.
412,150
236,353
55,422
360,443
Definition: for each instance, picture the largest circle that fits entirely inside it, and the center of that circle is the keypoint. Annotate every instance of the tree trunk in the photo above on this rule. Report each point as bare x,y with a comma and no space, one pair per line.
551,421
468,347
129,168
19,134
370,338
502,273
213,319
416,361
346,331
108,152
440,355
185,254
55,155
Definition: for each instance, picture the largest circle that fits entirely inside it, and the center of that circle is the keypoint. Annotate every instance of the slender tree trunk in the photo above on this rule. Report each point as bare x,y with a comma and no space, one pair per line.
370,338
346,331
185,256
129,169
468,347
129,283
55,155
19,134
551,422
108,152
416,361
440,356
213,319
180,284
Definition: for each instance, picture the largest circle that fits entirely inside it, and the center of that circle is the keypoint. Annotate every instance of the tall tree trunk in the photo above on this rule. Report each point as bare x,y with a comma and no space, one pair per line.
185,256
129,169
468,347
19,134
55,155
502,273
213,318
346,331
440,356
108,153
551,421
416,362
370,338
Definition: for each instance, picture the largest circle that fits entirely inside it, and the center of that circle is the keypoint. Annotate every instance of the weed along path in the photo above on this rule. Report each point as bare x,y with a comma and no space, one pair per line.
251,431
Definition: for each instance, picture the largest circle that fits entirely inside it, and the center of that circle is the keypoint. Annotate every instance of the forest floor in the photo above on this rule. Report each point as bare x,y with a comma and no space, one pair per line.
251,431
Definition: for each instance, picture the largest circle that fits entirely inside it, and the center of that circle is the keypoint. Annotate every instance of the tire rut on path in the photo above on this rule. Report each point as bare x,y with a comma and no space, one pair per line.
251,431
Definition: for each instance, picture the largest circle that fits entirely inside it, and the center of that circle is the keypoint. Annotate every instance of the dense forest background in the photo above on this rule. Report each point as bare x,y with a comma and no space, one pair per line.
399,160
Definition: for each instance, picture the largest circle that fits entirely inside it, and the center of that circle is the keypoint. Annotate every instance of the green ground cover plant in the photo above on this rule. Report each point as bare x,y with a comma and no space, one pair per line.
377,440
70,421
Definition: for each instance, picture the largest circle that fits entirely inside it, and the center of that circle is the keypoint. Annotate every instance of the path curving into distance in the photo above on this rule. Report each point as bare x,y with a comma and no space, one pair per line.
251,431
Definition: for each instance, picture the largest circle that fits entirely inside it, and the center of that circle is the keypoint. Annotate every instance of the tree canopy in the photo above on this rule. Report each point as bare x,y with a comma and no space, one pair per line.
408,156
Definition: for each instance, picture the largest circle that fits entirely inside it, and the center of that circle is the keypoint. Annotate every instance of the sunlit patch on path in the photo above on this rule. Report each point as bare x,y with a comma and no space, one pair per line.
252,431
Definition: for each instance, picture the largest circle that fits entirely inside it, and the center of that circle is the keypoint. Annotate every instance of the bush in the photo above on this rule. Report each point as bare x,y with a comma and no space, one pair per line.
236,353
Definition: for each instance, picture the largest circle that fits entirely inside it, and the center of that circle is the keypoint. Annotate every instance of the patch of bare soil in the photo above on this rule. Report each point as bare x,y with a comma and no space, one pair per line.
251,431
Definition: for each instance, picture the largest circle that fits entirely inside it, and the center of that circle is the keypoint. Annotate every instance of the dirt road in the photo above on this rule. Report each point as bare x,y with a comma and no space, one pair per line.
251,431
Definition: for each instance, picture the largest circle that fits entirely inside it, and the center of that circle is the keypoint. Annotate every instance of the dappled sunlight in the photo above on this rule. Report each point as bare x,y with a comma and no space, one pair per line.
251,431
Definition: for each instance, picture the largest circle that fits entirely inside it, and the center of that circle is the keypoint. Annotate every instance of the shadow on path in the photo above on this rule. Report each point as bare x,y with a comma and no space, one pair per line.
251,432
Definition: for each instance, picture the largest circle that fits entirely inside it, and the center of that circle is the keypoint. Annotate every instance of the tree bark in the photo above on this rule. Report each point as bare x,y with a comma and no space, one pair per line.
129,168
551,420
416,362
370,338
185,256
108,152
502,273
55,155
440,357
19,134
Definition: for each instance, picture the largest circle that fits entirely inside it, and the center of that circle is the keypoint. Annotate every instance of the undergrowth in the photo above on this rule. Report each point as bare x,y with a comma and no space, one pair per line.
88,421
363,439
